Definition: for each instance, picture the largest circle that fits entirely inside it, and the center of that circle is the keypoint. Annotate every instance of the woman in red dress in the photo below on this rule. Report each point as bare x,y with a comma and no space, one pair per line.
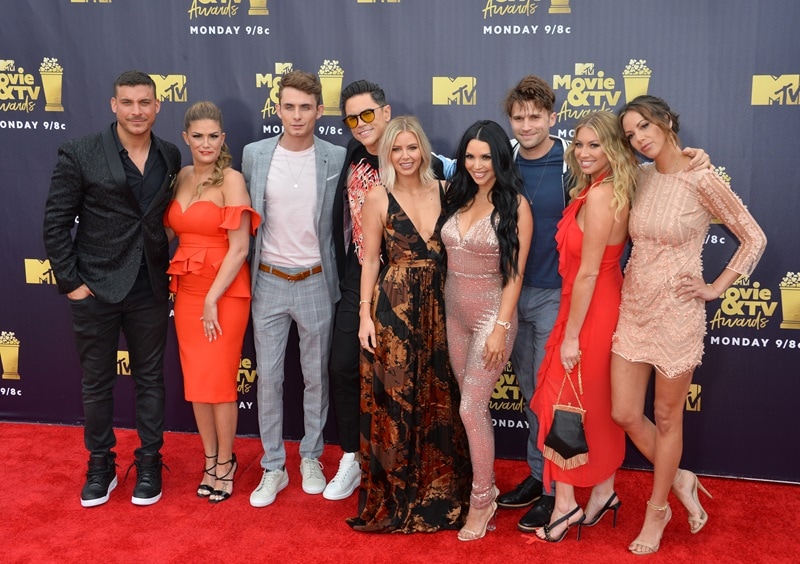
211,216
591,239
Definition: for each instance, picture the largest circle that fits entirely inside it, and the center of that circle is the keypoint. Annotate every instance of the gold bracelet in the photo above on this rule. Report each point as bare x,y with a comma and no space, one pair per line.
364,302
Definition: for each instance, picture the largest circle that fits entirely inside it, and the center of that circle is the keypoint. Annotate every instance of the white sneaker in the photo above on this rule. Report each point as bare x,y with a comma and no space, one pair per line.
347,479
313,478
272,482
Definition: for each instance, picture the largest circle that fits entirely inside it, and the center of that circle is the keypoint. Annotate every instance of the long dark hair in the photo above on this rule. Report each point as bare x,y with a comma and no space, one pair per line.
504,194
656,111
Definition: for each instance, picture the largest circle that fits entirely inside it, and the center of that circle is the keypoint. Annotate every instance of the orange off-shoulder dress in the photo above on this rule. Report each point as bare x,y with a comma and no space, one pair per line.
209,368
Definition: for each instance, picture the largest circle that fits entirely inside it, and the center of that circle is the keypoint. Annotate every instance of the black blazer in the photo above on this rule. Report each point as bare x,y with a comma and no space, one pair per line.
113,235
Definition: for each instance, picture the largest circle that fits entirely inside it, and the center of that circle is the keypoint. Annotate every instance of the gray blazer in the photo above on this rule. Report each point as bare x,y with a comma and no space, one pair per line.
256,161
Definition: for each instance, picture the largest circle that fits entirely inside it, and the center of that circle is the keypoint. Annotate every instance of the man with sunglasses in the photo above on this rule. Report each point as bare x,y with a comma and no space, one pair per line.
366,115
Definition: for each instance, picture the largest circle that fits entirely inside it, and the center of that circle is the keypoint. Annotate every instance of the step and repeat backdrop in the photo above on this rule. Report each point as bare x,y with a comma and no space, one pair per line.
731,68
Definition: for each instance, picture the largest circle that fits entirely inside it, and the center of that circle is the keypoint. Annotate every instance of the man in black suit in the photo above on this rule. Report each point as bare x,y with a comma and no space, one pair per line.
112,188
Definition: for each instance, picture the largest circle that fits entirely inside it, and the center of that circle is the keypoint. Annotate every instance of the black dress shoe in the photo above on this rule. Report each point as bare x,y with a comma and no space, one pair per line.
528,491
539,515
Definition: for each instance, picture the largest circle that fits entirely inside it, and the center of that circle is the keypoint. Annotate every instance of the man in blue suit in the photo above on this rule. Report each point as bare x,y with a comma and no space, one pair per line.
114,273
292,181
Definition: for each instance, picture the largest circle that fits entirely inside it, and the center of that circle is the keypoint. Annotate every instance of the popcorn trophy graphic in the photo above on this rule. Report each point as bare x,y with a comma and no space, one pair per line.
9,354
52,75
559,7
637,78
790,300
330,77
258,8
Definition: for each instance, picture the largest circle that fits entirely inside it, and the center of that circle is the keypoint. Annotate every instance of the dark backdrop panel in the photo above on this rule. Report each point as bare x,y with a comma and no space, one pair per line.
728,67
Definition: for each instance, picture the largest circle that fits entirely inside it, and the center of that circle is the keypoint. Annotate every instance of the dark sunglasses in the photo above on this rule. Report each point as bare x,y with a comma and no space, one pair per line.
367,116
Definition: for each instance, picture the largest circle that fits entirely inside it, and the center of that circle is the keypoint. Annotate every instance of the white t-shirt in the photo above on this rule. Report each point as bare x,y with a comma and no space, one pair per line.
290,237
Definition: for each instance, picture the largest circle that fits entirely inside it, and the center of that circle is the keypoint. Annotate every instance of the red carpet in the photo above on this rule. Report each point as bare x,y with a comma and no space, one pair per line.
43,521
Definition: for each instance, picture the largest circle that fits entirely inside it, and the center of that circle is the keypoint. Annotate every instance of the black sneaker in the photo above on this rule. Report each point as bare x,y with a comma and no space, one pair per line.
148,479
100,480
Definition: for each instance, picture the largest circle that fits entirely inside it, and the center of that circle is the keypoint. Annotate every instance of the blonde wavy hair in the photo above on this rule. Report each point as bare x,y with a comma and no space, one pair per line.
623,163
394,128
209,110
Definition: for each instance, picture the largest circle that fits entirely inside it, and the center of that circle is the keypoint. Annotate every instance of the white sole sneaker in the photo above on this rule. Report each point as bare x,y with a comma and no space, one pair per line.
339,495
100,500
145,500
259,498
313,478
346,481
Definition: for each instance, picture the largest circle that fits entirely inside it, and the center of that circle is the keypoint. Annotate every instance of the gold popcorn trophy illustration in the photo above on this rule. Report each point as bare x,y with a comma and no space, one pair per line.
637,78
559,7
52,76
726,178
258,8
790,300
9,354
330,77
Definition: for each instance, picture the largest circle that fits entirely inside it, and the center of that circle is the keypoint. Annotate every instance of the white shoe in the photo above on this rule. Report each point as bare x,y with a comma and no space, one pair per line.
272,482
313,478
347,479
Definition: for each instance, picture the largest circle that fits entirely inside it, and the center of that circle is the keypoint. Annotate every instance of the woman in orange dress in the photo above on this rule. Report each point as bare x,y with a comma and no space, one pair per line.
591,238
212,218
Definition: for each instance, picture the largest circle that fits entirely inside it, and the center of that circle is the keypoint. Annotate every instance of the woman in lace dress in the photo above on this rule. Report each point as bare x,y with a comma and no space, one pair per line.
662,315
487,235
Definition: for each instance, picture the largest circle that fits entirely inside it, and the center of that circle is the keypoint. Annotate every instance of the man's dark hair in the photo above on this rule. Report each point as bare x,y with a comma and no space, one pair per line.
362,87
134,78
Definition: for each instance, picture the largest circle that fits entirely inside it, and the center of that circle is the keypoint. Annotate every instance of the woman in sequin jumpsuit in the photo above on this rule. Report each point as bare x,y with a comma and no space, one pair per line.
662,315
487,235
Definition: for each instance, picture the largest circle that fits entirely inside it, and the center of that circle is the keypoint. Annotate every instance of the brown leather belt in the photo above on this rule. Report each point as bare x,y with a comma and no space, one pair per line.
296,277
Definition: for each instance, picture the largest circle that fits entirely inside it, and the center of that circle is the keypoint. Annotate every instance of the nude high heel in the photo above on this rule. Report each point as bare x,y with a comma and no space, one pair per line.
647,548
489,525
696,523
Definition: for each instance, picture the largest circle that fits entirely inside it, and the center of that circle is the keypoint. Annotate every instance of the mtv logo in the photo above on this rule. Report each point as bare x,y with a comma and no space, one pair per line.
693,397
458,91
585,69
771,90
7,65
39,272
283,68
123,363
170,87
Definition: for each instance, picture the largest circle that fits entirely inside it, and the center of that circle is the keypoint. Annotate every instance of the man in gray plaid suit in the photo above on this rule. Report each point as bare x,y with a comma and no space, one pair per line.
292,180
